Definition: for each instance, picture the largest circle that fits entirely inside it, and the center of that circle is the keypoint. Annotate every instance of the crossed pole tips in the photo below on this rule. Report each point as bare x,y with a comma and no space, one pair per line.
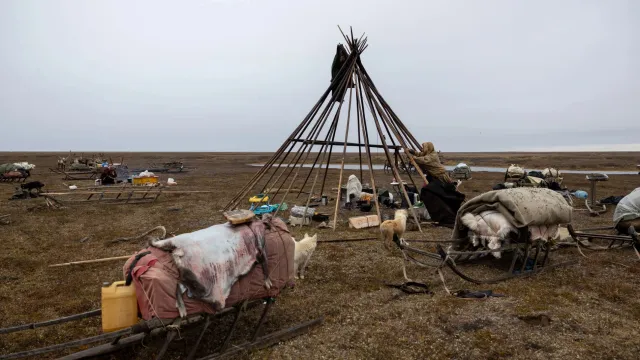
284,169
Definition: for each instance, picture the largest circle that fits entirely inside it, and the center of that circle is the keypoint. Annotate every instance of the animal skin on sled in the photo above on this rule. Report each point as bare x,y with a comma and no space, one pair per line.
211,260
156,277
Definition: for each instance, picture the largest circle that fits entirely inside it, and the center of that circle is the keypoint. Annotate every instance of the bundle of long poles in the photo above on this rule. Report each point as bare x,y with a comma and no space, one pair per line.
363,95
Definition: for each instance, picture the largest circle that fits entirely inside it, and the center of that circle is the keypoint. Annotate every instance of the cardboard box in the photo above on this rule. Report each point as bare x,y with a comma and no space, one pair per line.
361,222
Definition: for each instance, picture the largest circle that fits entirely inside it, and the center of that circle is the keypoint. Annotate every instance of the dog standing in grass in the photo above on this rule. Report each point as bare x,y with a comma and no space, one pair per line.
396,227
304,249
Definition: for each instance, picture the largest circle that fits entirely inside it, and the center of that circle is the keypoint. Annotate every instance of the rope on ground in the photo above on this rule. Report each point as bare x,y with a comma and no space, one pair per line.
444,284
580,250
124,239
404,261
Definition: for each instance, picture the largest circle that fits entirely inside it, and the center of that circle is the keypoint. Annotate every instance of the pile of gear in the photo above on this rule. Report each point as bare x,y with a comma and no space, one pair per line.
516,176
462,171
11,171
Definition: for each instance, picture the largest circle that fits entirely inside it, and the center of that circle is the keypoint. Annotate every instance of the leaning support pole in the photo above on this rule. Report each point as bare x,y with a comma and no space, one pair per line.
300,150
341,87
344,153
310,140
297,167
365,135
315,180
298,131
396,173
383,110
323,149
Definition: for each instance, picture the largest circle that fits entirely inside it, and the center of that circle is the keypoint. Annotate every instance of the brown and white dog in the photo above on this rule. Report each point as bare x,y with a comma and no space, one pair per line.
397,227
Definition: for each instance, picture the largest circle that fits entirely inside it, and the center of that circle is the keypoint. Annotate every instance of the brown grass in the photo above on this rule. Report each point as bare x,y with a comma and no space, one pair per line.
593,305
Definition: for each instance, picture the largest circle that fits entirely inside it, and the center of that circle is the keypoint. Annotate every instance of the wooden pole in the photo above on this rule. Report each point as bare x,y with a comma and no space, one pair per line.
302,126
386,105
365,135
352,63
317,126
386,150
315,180
323,148
61,320
293,144
82,262
399,137
304,151
344,152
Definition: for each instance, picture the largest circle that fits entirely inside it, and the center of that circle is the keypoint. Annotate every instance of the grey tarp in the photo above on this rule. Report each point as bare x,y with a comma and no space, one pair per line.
5,168
521,206
628,208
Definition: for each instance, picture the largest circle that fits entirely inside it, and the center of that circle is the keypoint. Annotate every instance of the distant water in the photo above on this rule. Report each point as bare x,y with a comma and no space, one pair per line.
474,169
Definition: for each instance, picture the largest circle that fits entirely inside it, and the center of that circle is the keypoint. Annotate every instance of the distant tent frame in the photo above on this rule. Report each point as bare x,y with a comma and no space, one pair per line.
393,134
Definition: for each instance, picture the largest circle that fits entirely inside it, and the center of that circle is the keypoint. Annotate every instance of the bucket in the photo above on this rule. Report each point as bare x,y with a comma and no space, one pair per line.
324,200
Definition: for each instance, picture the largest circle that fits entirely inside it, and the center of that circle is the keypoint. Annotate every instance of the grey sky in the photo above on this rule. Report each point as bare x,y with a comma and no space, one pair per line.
207,75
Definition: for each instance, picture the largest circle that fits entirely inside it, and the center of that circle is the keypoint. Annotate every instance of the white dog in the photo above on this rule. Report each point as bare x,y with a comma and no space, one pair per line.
304,249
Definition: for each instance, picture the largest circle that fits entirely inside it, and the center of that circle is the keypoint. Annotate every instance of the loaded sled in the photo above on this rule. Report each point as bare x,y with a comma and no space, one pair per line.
165,283
509,230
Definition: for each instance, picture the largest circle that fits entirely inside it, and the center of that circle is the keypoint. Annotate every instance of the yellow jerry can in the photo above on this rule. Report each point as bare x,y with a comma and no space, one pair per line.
119,306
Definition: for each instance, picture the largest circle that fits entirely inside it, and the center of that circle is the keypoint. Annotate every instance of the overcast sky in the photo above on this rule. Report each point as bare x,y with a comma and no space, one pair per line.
232,75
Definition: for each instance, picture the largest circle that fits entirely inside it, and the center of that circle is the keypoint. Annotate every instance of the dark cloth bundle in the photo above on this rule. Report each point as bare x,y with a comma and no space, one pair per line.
338,61
442,201
536,173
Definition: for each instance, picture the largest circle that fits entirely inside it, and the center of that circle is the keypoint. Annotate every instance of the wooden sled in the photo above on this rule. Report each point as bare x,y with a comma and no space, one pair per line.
75,175
167,167
105,196
464,174
591,239
521,258
10,179
170,328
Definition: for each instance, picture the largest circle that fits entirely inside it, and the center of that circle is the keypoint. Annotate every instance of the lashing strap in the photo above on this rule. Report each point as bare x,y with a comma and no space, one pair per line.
133,264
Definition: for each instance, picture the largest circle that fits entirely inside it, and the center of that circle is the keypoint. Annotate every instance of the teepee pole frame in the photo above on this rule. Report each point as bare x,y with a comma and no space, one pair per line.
298,131
342,86
283,170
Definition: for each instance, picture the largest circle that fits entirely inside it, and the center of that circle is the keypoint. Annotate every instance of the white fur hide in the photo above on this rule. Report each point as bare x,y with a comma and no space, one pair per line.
489,228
